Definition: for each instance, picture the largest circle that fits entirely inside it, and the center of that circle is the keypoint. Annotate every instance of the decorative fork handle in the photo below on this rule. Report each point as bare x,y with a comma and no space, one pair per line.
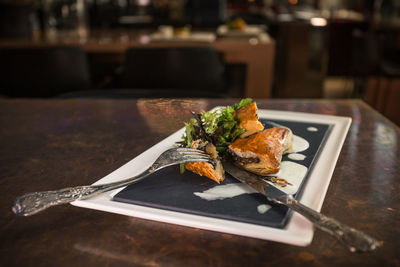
355,240
32,203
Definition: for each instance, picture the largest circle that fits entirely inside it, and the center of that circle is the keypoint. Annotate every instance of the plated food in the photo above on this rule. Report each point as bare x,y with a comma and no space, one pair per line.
234,133
236,24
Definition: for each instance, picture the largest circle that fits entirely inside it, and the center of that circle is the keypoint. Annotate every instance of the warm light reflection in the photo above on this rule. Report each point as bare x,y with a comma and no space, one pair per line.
385,136
354,133
318,22
130,258
156,112
385,159
143,2
144,39
293,2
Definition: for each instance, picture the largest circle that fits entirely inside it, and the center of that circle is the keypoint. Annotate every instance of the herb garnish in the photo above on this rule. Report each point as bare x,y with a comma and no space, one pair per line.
218,126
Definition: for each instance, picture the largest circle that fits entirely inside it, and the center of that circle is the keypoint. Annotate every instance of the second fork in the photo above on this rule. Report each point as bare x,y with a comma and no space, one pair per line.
33,203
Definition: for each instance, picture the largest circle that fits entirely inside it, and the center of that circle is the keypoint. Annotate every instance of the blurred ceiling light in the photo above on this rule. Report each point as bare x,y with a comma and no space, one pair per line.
293,2
143,2
144,39
65,11
318,22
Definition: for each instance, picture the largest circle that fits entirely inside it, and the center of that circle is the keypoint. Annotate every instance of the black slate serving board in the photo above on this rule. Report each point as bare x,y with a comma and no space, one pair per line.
170,190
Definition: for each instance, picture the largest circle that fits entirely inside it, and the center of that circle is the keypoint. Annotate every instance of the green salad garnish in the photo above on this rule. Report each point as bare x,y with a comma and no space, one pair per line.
218,127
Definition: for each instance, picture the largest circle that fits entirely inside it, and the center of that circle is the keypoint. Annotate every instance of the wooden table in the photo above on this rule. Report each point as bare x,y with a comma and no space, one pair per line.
110,46
50,144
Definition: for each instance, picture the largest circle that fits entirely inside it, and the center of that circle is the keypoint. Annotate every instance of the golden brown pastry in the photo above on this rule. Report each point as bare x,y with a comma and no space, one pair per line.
212,171
261,153
248,120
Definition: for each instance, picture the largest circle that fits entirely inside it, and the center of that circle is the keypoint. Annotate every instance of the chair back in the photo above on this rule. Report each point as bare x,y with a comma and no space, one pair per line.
190,70
42,71
16,20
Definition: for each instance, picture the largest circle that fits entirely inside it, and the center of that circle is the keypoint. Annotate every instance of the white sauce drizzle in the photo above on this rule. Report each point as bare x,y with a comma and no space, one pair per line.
312,129
292,172
299,144
263,208
296,156
220,192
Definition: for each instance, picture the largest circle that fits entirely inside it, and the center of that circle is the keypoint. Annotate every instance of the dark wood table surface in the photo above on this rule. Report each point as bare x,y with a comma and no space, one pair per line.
55,143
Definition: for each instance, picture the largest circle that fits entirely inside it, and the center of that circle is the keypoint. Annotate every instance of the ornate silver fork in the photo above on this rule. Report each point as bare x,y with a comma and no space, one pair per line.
32,203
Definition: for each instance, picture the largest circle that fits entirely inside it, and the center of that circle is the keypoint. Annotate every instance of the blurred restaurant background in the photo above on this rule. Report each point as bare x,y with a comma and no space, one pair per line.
202,48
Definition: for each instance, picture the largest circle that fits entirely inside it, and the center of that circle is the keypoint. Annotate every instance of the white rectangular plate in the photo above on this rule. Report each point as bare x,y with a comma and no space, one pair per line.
298,230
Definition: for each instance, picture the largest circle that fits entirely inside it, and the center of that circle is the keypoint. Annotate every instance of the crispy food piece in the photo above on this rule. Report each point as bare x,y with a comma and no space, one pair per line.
248,120
261,153
212,171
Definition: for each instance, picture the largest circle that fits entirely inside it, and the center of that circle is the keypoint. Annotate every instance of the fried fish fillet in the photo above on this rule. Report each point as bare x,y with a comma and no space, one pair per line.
248,120
261,153
212,171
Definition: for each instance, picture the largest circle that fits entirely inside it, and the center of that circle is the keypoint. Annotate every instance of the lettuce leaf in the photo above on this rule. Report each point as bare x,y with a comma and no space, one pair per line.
219,126
244,102
191,132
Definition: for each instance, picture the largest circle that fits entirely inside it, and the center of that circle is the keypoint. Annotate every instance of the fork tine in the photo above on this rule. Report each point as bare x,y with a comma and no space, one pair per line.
189,150
192,151
191,154
197,160
197,157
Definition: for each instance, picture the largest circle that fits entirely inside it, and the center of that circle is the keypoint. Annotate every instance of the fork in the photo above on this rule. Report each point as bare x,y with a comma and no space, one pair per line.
33,203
